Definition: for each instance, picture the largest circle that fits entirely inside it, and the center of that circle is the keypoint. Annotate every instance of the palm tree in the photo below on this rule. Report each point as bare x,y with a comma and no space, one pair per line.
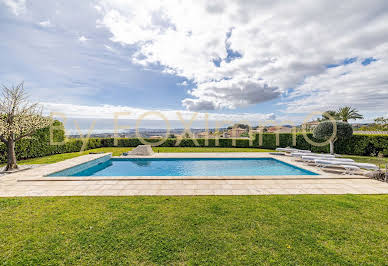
348,113
329,115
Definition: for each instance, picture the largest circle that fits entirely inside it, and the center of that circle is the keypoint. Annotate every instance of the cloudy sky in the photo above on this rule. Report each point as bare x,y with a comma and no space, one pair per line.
249,59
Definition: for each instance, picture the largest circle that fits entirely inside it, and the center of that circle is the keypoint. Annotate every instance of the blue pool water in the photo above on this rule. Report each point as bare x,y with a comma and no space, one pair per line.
186,167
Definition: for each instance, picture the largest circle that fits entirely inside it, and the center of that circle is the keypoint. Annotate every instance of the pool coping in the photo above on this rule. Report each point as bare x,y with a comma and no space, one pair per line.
40,173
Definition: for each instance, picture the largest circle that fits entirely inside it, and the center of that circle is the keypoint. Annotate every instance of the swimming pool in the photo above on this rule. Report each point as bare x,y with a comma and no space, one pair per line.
184,167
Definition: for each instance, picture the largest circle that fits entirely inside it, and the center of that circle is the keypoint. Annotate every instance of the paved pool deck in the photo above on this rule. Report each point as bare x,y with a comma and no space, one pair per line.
34,182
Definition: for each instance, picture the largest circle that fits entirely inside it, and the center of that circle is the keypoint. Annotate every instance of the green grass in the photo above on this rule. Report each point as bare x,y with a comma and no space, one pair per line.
285,230
119,150
369,159
52,158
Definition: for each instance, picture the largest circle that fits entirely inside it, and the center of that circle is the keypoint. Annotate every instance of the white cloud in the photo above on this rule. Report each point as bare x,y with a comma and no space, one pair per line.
108,47
229,94
281,44
83,39
363,87
45,23
184,83
17,6
108,111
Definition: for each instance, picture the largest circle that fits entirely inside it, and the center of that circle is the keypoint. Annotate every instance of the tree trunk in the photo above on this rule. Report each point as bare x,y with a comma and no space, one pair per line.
332,147
11,159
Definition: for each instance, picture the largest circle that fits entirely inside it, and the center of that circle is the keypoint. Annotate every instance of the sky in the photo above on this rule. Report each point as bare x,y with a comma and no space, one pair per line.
275,61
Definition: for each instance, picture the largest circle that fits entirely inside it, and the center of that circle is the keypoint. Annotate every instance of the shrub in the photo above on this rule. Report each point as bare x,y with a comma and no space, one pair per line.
325,131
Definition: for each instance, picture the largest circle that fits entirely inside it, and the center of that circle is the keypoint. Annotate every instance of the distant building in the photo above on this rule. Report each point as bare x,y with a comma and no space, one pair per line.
202,135
310,126
257,131
236,132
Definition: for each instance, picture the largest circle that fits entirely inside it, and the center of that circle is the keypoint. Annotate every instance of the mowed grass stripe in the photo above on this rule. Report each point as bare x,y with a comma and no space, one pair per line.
304,229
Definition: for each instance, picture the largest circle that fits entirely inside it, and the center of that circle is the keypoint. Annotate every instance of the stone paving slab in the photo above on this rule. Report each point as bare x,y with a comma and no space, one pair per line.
34,183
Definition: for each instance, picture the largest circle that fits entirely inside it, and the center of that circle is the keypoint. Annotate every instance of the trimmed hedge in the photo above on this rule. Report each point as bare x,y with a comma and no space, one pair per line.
134,142
358,144
33,148
39,146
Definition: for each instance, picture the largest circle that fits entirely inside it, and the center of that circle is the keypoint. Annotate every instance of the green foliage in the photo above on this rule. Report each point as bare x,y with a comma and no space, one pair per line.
325,130
357,144
39,145
348,113
380,124
344,114
328,115
243,126
245,135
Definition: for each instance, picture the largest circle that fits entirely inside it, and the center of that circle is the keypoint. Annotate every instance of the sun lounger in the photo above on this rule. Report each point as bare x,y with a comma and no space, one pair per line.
327,162
290,150
368,166
286,149
313,158
300,155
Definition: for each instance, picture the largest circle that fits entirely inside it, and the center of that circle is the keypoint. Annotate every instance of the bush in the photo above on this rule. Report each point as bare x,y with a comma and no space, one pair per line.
324,130
357,144
39,145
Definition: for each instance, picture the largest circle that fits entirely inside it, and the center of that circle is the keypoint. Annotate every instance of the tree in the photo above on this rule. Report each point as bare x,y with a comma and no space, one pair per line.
325,131
328,115
381,123
348,113
245,135
18,119
243,126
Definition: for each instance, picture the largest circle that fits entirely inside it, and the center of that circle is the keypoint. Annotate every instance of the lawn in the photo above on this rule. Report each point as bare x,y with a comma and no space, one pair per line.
314,229
369,159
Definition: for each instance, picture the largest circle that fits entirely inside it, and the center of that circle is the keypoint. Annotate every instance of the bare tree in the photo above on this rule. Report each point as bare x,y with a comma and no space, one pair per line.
18,119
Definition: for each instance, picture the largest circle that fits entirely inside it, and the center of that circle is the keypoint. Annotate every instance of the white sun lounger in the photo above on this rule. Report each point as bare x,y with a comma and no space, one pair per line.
292,150
298,154
327,162
313,158
368,166
286,149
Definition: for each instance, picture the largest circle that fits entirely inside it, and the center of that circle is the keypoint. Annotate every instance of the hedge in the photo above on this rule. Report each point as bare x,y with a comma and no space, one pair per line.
358,144
39,145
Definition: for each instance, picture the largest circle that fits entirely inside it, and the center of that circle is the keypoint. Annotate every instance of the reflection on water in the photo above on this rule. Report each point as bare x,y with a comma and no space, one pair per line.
96,168
141,162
